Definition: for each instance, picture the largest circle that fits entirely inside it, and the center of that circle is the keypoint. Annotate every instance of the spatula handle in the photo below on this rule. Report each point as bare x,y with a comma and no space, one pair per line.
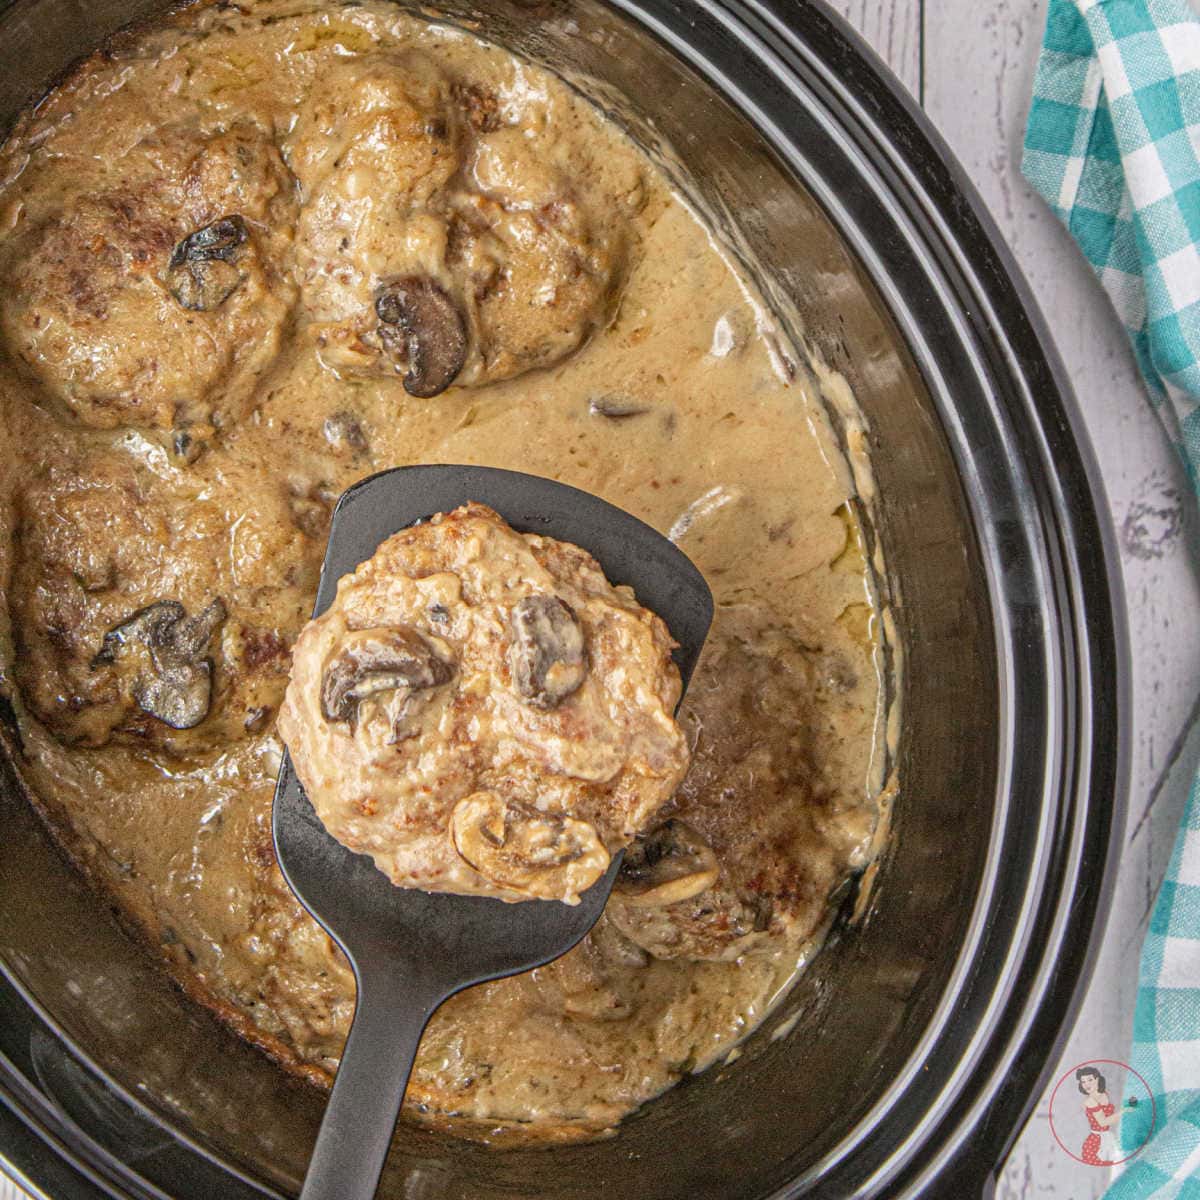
360,1117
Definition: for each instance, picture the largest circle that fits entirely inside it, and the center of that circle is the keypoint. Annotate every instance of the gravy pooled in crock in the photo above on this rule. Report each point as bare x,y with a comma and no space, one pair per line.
482,712
253,253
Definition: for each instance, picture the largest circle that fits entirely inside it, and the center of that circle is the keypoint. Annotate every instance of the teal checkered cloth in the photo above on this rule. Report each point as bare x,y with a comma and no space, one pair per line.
1113,144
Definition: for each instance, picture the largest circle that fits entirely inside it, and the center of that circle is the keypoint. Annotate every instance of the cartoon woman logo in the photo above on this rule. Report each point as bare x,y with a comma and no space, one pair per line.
1097,1133
1101,1115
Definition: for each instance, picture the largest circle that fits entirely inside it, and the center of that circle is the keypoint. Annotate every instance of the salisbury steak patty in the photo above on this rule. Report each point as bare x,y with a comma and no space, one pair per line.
139,615
756,818
441,240
482,712
154,295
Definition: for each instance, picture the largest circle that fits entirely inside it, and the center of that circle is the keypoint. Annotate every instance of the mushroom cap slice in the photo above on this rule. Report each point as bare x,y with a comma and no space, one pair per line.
422,328
173,683
546,855
669,864
369,662
202,272
547,657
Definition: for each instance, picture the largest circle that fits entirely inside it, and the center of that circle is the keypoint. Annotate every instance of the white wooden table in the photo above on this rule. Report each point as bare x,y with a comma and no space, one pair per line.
971,65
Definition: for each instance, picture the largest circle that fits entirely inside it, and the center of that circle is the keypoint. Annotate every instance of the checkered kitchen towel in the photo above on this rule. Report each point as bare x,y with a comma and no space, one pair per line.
1113,144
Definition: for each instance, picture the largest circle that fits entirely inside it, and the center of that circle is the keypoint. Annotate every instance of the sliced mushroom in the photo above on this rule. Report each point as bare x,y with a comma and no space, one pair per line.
547,656
422,331
172,673
671,863
615,408
372,662
540,854
202,272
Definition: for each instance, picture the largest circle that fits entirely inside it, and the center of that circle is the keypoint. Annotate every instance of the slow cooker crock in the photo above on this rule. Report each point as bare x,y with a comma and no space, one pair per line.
910,1053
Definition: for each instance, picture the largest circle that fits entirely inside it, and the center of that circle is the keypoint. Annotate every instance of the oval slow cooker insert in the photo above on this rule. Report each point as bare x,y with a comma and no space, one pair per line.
913,1047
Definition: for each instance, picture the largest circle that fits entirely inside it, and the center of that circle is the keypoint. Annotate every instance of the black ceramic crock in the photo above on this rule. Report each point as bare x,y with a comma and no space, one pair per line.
908,1057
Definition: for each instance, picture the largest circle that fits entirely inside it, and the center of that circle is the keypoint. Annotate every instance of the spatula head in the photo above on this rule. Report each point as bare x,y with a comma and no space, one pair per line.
454,941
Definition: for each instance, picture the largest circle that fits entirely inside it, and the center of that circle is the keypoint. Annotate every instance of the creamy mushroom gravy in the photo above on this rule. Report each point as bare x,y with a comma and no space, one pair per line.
189,455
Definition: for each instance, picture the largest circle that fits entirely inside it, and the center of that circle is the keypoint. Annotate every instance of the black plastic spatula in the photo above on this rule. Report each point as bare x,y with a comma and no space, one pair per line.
411,950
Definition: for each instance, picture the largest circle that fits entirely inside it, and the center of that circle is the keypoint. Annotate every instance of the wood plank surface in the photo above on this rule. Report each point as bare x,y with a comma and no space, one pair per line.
978,64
